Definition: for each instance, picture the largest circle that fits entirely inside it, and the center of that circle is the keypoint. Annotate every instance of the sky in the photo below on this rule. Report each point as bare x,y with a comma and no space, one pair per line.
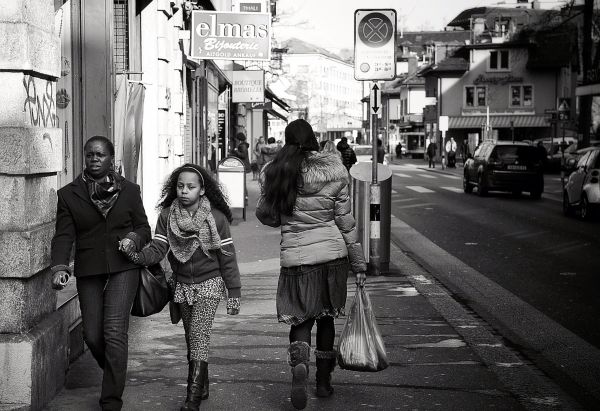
330,23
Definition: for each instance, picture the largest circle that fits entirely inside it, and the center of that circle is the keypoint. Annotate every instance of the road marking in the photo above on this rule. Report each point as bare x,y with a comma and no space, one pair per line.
420,189
415,205
571,248
453,189
394,191
401,175
528,235
403,200
426,176
453,177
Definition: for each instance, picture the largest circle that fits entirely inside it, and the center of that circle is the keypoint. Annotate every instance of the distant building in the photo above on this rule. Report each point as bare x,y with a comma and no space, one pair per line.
327,95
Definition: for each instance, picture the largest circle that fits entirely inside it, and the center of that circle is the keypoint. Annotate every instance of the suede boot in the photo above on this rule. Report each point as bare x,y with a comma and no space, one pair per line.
325,364
298,357
196,374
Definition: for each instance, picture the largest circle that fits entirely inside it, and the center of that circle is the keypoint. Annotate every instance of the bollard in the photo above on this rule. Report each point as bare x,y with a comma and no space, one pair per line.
374,266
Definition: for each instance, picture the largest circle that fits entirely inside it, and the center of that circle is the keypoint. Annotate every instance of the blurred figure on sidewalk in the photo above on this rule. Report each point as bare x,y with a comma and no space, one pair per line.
431,151
451,150
306,193
399,150
102,213
258,156
329,146
241,150
348,154
193,230
380,151
270,150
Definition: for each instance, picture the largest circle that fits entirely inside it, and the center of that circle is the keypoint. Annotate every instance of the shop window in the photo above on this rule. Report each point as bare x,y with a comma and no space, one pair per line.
121,36
499,60
475,96
521,96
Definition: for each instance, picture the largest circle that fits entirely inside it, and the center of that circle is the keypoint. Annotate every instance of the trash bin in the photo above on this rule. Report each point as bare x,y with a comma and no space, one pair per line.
361,208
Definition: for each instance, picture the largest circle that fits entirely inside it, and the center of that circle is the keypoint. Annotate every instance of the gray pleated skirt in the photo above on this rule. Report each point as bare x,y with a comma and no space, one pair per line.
312,291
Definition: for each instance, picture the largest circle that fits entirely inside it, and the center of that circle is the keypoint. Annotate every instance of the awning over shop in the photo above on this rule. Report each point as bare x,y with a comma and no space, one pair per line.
274,105
498,121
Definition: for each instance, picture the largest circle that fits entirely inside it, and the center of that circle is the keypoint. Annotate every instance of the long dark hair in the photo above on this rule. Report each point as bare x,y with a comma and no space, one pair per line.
212,190
283,175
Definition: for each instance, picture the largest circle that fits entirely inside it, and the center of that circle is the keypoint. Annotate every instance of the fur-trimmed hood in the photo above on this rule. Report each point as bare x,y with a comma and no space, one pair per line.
321,168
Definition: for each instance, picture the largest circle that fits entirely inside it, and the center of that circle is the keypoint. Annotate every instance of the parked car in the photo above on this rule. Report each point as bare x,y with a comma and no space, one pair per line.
582,190
553,153
363,153
572,155
504,166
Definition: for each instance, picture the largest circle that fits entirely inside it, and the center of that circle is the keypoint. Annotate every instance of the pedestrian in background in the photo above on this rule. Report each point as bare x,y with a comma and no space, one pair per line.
329,146
270,150
399,150
241,151
101,212
348,154
380,151
306,193
451,150
258,157
193,229
431,150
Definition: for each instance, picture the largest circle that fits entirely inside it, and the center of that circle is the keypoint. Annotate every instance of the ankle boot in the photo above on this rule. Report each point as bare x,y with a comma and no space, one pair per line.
204,395
197,371
325,364
298,357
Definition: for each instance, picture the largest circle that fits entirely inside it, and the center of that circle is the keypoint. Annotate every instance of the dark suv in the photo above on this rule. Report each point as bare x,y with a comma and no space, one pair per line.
504,166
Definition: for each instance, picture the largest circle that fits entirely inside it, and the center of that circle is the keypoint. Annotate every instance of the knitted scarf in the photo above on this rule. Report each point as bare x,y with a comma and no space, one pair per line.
103,194
186,233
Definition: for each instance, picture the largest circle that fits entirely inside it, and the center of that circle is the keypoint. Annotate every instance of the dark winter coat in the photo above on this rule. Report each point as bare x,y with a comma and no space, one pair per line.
269,151
97,238
348,155
321,228
199,267
241,152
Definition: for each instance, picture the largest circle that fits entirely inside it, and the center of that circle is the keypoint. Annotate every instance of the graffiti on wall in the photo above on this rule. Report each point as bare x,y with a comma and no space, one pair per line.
40,101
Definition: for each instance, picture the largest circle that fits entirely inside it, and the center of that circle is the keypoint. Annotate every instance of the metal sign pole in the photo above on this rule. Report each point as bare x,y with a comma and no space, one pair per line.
374,266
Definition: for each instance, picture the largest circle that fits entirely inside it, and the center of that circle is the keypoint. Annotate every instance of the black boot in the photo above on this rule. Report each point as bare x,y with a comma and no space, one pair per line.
325,364
205,386
298,357
197,371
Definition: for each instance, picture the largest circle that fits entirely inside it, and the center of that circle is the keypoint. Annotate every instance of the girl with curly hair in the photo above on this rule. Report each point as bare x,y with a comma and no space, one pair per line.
193,229
305,192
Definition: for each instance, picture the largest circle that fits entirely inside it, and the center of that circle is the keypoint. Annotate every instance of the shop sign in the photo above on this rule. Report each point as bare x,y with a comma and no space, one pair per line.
262,106
248,87
218,35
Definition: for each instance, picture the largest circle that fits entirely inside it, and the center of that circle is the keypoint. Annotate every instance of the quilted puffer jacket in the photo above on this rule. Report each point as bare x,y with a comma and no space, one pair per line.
321,227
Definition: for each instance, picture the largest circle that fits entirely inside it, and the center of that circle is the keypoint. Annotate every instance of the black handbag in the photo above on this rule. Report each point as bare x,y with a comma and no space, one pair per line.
152,293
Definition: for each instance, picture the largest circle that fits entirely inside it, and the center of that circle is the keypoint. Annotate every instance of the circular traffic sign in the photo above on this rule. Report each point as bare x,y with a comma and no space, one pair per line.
375,30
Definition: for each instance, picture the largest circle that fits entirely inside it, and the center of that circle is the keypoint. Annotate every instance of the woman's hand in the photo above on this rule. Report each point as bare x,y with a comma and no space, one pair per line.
361,278
233,306
127,246
60,280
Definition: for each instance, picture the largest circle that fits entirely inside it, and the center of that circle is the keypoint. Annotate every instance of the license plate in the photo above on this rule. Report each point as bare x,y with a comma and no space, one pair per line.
513,167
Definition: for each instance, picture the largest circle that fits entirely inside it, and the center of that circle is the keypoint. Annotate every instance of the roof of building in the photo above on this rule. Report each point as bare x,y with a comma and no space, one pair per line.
448,65
297,46
490,13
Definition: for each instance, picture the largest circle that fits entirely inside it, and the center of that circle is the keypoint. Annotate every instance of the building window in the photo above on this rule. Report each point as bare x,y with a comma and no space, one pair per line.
121,36
475,96
499,60
521,96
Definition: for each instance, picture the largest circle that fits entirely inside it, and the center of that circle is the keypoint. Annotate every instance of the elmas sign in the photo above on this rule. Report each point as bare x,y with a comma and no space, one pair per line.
218,35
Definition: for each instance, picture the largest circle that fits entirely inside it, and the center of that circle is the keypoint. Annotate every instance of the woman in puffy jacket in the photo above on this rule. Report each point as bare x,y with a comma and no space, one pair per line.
305,192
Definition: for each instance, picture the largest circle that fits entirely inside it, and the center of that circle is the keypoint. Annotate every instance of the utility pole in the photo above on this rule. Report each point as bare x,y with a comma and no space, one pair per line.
585,113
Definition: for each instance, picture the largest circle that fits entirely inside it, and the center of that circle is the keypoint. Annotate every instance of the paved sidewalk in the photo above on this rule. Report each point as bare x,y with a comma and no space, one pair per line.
432,366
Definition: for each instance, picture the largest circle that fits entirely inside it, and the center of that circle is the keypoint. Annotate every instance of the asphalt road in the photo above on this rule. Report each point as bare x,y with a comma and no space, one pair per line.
526,246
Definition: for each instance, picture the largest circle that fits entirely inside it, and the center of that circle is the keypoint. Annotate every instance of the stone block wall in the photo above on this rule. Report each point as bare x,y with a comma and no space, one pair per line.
33,341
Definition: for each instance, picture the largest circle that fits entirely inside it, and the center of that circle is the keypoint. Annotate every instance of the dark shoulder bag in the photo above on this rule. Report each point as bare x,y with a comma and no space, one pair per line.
152,293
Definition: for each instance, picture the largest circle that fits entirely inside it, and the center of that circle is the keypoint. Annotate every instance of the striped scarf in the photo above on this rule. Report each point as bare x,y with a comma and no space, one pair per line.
103,194
186,233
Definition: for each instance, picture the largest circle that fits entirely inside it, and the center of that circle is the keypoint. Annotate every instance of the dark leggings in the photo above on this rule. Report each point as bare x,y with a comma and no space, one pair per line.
325,332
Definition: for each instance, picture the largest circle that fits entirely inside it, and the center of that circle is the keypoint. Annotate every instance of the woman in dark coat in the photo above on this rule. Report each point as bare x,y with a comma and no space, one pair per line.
101,212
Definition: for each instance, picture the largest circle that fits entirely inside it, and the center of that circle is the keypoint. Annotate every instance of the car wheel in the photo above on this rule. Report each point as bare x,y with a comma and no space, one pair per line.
567,209
584,208
481,186
467,187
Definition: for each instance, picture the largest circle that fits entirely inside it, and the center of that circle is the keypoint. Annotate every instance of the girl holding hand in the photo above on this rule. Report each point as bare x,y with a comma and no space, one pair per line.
193,228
